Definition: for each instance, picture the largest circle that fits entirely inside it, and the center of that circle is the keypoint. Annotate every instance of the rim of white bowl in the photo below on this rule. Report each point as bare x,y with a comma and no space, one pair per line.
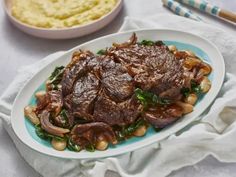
8,12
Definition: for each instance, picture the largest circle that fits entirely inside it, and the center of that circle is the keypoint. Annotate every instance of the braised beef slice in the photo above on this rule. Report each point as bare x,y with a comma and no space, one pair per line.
89,133
160,117
154,68
117,83
84,93
112,113
76,68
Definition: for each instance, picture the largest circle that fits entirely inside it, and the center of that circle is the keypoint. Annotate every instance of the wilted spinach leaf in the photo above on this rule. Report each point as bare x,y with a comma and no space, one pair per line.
147,42
150,99
72,146
56,77
90,148
185,92
195,87
101,52
128,130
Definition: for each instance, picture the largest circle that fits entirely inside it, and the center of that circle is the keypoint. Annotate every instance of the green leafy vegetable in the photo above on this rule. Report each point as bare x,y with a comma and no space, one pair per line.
147,42
101,52
45,135
64,118
56,77
90,148
185,91
72,146
195,87
128,130
149,98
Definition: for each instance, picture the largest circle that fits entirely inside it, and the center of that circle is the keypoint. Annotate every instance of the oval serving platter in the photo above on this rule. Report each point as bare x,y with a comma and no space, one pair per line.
184,41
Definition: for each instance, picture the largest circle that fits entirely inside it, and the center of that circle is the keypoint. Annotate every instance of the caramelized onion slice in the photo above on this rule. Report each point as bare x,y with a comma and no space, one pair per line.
49,127
132,40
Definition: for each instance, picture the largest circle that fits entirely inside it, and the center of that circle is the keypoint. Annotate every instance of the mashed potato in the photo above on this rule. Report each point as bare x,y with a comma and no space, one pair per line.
60,13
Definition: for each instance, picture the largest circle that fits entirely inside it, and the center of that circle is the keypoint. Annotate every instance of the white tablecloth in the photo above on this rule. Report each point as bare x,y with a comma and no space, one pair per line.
18,49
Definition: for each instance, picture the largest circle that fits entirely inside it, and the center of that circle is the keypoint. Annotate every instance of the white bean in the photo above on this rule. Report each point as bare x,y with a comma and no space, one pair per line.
141,131
59,145
102,145
172,48
40,95
191,99
30,114
205,84
187,108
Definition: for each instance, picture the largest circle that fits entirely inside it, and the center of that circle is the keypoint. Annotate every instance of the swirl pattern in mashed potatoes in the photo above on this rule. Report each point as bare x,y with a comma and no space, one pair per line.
60,13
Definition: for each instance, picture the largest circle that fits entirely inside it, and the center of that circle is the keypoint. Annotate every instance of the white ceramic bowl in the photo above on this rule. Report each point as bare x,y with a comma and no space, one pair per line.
65,33
203,48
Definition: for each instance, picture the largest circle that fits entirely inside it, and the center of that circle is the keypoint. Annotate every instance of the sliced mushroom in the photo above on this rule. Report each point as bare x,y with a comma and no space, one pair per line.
30,114
49,127
55,105
191,62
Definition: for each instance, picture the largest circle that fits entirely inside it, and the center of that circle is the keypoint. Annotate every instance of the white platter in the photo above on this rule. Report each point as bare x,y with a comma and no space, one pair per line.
63,33
211,54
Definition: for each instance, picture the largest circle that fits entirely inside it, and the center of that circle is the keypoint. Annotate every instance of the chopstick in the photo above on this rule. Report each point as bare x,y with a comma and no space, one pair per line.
178,9
211,9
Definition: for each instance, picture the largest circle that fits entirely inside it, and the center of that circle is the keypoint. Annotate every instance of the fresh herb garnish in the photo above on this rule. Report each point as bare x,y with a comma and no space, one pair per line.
150,99
72,146
45,135
101,52
56,77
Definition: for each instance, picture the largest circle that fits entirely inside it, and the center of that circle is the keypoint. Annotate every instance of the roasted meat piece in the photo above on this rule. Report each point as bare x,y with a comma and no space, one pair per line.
115,80
85,91
112,113
91,133
162,116
154,68
75,69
